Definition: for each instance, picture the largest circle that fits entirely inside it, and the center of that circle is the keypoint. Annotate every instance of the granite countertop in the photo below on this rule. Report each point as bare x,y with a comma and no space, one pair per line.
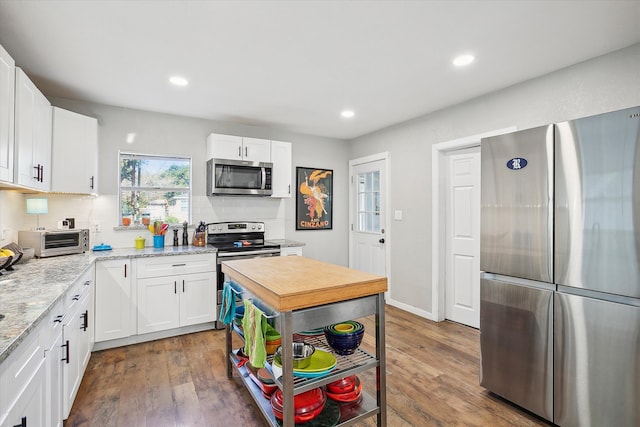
28,293
284,243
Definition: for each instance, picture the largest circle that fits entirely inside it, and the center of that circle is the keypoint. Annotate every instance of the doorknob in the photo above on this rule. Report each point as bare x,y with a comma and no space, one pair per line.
381,240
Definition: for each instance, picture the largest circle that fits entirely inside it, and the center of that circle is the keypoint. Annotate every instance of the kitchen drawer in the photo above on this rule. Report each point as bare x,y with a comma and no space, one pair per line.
52,323
78,290
172,265
20,368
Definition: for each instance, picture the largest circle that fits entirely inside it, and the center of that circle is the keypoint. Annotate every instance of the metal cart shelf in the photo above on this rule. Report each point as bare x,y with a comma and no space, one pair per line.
289,322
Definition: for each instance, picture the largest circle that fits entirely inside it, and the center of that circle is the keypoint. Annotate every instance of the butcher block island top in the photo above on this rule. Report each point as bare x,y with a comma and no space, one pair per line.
293,282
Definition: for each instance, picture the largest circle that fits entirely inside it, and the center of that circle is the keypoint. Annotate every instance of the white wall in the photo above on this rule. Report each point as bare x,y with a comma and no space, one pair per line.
158,133
606,83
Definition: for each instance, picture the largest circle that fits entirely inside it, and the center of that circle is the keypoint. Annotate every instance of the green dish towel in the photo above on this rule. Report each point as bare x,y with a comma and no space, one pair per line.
254,325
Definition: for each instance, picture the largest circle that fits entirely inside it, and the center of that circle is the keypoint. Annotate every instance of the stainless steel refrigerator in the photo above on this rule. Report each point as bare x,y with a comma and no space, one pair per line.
560,252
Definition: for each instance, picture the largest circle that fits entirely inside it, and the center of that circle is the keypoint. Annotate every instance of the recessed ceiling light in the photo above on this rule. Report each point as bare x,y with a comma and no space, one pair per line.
178,81
462,60
347,114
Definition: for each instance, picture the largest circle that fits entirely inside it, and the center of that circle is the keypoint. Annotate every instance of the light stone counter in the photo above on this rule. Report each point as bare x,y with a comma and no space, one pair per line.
284,243
28,293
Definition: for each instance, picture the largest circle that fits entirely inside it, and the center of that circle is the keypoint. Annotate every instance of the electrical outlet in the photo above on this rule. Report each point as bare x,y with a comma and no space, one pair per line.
95,226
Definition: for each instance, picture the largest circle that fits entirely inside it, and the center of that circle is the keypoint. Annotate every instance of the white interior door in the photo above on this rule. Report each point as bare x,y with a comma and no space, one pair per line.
368,237
462,231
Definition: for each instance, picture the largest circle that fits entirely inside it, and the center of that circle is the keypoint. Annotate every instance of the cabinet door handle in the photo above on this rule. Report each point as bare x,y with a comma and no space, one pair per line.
87,282
175,287
289,188
85,320
246,151
178,265
125,270
76,297
91,183
41,173
66,358
37,177
23,422
58,318
183,286
240,151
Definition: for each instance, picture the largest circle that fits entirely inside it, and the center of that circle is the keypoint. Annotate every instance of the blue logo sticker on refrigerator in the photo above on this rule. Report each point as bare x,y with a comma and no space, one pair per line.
517,163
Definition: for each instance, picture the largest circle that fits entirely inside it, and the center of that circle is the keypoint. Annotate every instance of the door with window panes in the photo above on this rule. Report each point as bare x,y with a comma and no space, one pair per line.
368,233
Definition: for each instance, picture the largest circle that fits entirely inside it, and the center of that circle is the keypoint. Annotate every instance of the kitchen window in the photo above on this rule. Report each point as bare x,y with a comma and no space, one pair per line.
154,188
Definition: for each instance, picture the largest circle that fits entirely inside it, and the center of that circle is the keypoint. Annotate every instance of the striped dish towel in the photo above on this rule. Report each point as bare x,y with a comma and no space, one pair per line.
254,325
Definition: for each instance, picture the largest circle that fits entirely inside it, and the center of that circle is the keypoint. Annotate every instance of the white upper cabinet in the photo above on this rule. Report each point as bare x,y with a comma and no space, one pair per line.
7,95
281,175
256,150
32,161
74,137
238,148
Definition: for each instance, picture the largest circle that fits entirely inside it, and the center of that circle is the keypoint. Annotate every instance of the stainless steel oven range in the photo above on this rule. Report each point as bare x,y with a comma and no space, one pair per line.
237,240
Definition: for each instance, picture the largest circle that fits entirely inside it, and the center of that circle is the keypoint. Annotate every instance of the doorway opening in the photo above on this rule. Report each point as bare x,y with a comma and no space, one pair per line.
440,258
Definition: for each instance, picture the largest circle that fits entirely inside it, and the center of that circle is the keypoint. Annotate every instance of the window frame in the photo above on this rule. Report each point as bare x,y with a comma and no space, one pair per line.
132,155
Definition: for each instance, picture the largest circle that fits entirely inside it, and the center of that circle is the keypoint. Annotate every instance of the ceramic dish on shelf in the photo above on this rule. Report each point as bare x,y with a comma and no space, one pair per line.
348,327
344,343
313,374
306,406
343,385
311,333
347,397
320,363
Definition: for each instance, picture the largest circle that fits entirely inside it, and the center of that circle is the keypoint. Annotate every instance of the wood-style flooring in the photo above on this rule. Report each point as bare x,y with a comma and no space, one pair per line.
432,380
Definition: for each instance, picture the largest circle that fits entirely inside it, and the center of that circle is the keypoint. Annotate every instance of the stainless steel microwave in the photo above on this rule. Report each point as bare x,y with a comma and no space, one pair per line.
238,178
48,243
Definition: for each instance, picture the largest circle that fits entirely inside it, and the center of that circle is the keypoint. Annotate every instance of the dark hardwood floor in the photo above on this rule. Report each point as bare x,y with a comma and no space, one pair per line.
432,380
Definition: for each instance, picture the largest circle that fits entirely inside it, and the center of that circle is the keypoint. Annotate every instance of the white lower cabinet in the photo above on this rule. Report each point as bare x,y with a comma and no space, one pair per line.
291,250
30,407
78,338
22,383
176,301
113,300
175,291
53,363
158,304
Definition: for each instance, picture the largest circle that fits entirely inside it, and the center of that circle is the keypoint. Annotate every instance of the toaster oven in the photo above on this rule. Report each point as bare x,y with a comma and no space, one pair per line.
48,243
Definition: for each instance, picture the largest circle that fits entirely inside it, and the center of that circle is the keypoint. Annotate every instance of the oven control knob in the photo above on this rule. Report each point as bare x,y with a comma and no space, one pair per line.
259,226
253,227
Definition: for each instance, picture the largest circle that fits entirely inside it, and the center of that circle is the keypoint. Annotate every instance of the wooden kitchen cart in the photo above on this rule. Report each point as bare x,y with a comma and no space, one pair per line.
301,294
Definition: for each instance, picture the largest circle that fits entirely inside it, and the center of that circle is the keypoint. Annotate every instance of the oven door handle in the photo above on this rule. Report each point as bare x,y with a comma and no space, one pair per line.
245,254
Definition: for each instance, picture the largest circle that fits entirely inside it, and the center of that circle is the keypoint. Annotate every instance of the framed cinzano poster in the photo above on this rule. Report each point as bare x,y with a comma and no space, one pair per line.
314,199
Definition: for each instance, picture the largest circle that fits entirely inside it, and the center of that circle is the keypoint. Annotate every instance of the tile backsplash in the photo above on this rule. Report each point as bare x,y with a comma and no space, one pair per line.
99,214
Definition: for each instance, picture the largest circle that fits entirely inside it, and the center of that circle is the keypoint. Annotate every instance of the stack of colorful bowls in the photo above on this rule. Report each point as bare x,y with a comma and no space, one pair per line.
344,337
272,340
347,389
267,384
306,406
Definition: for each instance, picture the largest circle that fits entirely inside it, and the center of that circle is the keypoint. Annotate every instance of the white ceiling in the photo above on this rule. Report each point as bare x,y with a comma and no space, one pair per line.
295,65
